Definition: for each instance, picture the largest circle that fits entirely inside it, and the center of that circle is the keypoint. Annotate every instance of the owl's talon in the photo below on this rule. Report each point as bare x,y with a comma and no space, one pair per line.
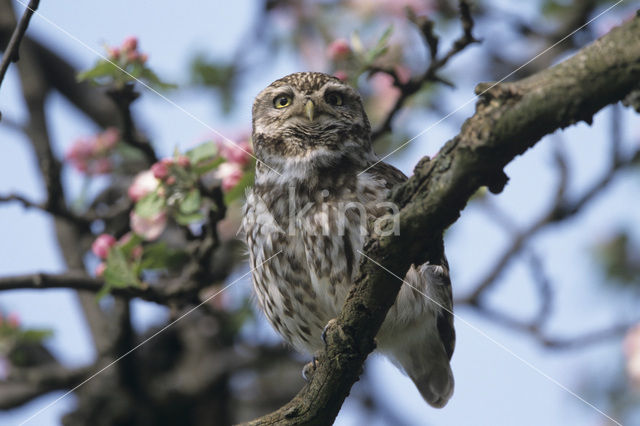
324,330
309,369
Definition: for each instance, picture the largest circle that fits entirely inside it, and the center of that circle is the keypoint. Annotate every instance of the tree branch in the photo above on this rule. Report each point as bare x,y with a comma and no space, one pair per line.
11,52
55,209
408,89
78,280
509,119
38,381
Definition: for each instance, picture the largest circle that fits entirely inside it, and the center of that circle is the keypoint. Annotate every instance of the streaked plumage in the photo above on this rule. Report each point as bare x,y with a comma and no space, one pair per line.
311,151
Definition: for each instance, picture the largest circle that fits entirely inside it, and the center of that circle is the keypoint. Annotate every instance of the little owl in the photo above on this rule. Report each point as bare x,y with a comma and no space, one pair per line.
313,207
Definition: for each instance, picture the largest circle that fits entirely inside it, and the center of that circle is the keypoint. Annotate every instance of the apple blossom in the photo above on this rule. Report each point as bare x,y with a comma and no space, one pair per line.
160,170
148,228
230,174
136,252
632,352
107,140
102,245
144,183
93,155
341,75
130,43
99,271
338,49
183,161
114,53
13,320
239,152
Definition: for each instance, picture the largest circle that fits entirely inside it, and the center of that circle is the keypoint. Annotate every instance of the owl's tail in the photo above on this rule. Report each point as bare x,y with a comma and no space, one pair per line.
424,360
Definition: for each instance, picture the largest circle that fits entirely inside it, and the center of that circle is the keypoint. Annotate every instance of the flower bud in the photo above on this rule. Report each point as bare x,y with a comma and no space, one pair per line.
338,49
102,245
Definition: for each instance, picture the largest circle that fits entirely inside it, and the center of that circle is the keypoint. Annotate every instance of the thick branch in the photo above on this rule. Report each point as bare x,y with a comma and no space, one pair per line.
509,119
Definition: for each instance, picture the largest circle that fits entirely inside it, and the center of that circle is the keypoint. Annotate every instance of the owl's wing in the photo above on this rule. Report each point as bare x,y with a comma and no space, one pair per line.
447,334
391,175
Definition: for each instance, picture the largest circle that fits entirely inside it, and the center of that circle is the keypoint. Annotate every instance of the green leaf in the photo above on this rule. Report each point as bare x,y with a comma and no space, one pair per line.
101,69
381,46
207,167
239,190
191,203
150,205
185,219
129,245
160,256
153,80
119,272
35,335
204,151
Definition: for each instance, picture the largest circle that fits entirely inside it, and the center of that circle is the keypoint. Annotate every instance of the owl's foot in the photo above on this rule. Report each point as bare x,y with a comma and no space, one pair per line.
331,322
309,369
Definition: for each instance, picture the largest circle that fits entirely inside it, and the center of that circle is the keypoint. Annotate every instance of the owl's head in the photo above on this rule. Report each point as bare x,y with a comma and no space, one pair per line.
309,115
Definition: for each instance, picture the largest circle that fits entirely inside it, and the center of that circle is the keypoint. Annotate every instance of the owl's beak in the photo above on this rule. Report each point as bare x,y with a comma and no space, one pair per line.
309,109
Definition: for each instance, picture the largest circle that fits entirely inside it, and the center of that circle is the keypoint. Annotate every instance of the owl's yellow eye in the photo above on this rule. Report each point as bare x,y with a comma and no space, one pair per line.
282,101
333,98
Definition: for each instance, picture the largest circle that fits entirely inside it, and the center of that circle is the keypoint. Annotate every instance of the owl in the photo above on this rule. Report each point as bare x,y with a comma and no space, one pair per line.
308,215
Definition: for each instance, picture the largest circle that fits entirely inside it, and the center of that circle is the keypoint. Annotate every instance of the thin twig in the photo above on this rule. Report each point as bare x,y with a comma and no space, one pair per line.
77,280
560,210
430,75
55,209
11,52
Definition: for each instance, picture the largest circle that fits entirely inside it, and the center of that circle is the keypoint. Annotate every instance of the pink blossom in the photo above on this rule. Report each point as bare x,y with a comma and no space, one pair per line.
125,239
338,49
13,320
230,174
133,56
102,245
144,183
238,153
80,154
385,93
107,140
130,43
148,228
114,52
137,251
183,161
161,169
143,58
632,351
99,271
393,8
403,73
92,156
100,166
341,75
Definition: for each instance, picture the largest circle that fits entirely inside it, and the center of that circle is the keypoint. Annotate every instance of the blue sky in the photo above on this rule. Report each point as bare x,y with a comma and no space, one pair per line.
493,387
